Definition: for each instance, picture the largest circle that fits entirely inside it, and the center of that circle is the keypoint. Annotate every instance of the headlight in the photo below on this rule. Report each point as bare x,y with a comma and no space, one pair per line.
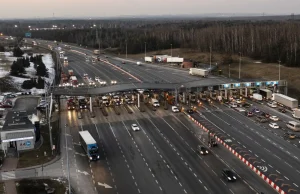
98,157
91,157
234,177
207,152
229,178
201,152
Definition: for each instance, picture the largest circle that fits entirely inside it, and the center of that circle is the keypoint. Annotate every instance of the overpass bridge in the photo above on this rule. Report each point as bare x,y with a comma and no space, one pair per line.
193,86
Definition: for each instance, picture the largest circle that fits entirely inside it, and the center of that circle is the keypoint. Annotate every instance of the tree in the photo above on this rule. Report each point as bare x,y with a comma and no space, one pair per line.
26,62
41,70
2,49
28,84
40,83
17,68
17,52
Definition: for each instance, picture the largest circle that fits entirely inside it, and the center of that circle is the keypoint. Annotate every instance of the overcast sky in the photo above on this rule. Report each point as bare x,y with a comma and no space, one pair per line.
106,8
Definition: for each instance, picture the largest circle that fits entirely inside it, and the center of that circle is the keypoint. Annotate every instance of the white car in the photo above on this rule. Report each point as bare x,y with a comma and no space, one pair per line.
233,105
97,78
175,109
274,125
272,104
135,127
274,118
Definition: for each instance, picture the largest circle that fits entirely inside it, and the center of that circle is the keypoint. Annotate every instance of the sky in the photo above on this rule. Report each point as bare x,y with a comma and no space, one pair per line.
110,8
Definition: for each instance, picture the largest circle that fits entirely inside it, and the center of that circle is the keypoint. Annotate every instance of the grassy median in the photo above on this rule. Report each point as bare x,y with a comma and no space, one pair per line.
30,186
37,156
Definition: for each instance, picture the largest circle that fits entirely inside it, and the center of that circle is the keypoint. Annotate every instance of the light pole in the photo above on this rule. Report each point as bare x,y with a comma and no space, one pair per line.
145,48
171,50
279,69
68,168
229,70
240,65
210,58
126,48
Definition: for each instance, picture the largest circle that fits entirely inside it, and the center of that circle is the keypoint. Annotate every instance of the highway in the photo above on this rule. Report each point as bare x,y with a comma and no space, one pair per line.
280,158
162,157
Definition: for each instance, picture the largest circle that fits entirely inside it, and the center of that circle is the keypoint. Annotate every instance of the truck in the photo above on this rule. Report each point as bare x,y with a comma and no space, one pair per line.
96,52
71,72
66,60
296,113
200,72
73,80
266,94
257,97
285,100
174,60
155,102
89,145
148,59
82,102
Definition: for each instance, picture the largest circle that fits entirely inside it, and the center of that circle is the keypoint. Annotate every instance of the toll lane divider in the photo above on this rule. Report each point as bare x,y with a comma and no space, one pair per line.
137,79
257,171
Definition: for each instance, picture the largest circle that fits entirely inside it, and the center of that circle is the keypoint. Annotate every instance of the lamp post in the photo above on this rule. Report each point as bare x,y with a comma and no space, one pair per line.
240,65
229,70
279,69
126,48
145,48
68,168
171,50
210,58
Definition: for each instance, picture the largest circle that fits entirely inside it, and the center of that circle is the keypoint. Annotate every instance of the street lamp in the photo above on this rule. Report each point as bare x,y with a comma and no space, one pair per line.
229,70
126,48
210,58
145,48
240,65
279,69
171,50
68,168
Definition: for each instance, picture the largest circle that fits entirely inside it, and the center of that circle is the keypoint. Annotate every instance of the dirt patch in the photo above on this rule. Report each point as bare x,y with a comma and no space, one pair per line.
37,186
250,69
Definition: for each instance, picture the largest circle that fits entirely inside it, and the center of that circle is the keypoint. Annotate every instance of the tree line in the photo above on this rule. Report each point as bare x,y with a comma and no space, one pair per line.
269,41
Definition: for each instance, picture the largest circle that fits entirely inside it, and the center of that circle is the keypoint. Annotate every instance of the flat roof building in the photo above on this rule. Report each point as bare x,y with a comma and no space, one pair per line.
18,132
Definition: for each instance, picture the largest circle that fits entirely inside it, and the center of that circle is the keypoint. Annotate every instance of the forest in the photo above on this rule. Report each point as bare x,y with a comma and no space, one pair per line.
266,40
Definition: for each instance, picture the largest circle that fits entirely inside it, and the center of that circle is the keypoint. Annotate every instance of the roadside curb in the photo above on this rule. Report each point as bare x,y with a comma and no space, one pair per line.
57,158
254,169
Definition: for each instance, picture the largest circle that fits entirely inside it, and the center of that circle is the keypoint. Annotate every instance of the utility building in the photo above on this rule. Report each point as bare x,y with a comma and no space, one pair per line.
18,132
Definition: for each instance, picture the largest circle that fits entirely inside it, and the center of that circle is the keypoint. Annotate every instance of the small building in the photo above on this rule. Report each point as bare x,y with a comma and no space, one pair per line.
18,132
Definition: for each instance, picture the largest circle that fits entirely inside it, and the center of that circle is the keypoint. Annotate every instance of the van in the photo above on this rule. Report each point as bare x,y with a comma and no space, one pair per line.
293,125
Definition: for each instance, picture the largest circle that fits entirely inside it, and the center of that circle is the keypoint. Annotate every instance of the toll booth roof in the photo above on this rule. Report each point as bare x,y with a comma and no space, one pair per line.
17,120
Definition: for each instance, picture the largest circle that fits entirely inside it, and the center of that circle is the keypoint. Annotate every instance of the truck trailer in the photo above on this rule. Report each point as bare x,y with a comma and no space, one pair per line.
96,52
89,145
174,60
258,97
199,72
266,94
148,59
285,100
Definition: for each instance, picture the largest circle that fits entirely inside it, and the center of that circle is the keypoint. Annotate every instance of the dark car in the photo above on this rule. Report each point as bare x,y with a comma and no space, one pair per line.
282,110
190,111
228,175
202,150
249,113
264,114
261,119
246,105
212,143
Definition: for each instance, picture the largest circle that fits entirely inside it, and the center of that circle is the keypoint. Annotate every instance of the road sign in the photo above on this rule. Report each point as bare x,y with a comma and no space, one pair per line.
28,34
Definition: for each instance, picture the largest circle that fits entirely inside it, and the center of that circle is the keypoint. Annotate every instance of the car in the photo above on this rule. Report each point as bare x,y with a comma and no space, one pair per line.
264,114
175,109
274,125
190,111
97,78
228,175
212,143
93,61
249,114
272,104
113,82
289,135
202,150
85,76
246,105
274,118
282,110
233,105
134,127
256,110
123,62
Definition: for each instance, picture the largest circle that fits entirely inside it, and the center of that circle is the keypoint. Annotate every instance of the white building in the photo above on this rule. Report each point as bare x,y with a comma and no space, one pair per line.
18,132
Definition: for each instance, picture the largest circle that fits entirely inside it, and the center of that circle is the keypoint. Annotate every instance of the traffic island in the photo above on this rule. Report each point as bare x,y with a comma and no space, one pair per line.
43,153
116,109
128,109
29,186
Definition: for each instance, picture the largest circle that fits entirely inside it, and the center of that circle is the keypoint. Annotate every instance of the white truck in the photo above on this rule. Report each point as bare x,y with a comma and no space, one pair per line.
200,72
155,102
296,113
257,97
285,100
96,52
266,94
148,59
174,60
